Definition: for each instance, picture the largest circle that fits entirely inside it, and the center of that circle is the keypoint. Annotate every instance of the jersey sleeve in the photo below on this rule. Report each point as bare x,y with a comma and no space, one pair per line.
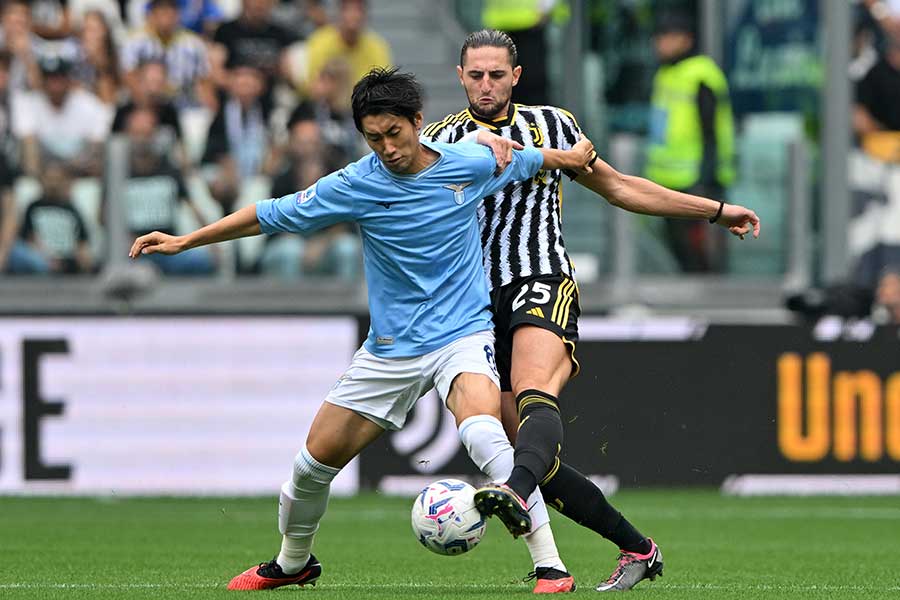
525,164
323,204
570,133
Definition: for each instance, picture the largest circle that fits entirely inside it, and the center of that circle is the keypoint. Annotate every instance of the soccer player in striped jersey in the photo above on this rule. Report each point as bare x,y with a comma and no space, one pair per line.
535,297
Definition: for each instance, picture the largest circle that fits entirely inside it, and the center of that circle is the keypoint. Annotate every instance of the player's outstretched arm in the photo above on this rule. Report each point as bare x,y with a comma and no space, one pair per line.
642,196
241,223
579,158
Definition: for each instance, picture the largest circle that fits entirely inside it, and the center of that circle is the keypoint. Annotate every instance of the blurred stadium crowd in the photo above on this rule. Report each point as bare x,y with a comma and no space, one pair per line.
221,104
224,102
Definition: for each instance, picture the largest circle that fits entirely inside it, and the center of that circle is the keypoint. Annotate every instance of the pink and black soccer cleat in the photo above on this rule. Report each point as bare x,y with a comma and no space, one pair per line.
502,501
632,569
551,581
268,576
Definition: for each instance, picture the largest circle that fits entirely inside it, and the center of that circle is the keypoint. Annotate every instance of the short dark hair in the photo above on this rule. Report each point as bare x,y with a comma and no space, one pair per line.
170,3
386,91
491,38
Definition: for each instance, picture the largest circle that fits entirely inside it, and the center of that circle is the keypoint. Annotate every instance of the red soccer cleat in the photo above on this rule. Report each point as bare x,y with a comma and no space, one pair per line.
268,576
551,581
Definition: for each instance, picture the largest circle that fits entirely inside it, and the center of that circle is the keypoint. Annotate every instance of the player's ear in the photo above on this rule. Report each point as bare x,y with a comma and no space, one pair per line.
517,72
418,118
459,73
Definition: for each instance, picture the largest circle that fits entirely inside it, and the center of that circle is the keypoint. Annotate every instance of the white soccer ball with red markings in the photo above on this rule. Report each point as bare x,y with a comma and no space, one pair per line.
444,517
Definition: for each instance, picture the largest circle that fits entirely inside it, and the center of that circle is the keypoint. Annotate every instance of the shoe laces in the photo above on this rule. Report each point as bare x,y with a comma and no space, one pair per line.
624,559
270,569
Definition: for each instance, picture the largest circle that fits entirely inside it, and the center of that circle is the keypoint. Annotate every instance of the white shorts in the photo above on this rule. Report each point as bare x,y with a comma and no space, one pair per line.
384,390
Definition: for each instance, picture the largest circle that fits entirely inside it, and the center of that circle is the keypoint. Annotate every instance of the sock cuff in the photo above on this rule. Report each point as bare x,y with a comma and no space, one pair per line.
530,397
469,422
306,465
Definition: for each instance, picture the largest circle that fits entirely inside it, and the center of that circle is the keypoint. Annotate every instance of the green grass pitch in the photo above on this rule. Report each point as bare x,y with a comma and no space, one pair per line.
713,546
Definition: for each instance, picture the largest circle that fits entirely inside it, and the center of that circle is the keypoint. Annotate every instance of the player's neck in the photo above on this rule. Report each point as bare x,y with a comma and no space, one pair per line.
496,116
424,159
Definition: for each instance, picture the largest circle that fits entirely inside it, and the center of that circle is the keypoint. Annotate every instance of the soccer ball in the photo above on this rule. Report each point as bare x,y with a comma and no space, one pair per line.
444,517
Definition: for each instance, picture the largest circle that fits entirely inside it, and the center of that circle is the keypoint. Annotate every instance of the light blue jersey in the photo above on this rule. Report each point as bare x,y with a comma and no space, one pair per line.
421,243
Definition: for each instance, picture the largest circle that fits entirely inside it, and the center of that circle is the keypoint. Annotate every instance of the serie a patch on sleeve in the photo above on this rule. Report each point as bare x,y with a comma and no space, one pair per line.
307,194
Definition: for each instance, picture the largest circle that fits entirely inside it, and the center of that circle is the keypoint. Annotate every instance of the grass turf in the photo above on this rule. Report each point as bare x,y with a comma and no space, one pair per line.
713,546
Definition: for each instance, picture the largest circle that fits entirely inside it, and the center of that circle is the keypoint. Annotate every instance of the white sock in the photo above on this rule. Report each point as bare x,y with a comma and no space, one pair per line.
485,440
542,548
303,502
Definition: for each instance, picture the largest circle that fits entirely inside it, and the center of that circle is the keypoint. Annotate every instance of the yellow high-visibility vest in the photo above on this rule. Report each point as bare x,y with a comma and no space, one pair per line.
675,150
517,15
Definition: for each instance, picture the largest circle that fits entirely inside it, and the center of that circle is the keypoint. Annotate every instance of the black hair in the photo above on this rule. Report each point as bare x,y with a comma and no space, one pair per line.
386,91
490,38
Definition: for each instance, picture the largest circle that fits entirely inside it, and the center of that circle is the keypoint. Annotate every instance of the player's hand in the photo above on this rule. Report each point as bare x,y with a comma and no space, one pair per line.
500,146
156,243
739,220
582,156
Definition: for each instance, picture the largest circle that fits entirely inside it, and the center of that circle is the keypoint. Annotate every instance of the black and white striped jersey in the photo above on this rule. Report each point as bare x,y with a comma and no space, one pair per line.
521,226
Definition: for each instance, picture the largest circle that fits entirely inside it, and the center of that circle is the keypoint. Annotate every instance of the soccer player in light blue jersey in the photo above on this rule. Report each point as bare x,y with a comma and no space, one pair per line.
415,203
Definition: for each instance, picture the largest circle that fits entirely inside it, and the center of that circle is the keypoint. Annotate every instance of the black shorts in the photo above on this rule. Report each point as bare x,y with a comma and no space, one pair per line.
546,301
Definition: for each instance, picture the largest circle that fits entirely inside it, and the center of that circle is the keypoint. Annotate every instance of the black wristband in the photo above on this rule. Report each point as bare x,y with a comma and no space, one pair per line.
718,212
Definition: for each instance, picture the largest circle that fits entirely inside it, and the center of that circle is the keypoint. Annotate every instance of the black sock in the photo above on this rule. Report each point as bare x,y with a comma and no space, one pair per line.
576,496
538,442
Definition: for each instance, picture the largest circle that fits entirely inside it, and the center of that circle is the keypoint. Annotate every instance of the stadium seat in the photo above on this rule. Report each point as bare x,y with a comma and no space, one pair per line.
87,198
195,124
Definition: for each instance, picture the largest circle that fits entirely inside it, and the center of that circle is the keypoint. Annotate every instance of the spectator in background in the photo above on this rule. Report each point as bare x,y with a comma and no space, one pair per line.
301,16
349,40
691,145
200,16
96,64
253,39
62,121
877,106
187,65
886,13
53,231
50,19
10,247
150,94
326,106
334,251
9,227
863,51
306,143
154,192
17,38
238,143
887,297
110,9
9,148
